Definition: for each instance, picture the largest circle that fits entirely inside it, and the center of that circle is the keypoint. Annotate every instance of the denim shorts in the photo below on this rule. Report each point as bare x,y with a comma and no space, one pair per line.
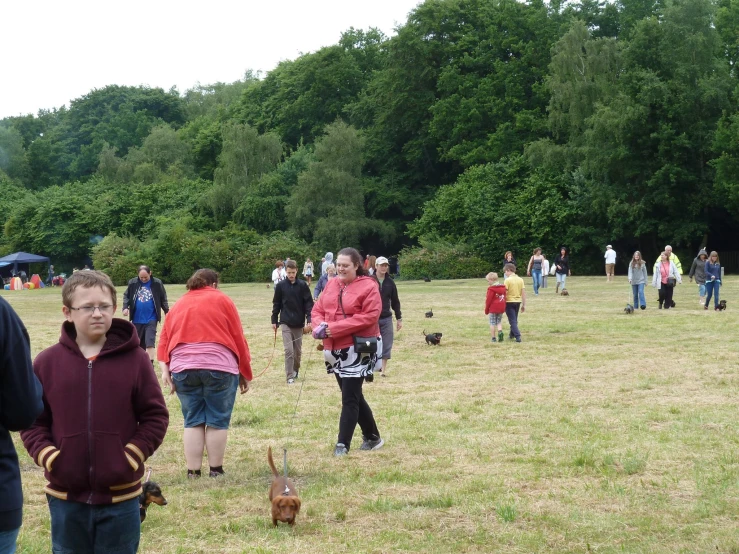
207,397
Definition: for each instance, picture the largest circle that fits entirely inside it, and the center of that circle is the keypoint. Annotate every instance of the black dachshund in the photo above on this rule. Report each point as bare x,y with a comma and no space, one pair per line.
151,493
430,313
629,309
722,305
426,279
433,339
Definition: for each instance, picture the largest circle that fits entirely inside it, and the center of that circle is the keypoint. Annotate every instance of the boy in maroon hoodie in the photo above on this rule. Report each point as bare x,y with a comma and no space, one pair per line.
104,415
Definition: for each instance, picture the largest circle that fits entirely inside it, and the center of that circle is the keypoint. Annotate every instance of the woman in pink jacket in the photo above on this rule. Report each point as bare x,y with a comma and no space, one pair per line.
350,306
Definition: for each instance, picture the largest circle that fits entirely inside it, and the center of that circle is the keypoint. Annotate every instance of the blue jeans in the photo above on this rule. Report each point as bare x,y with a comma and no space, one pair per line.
7,541
536,276
207,397
561,278
78,528
712,288
639,299
702,290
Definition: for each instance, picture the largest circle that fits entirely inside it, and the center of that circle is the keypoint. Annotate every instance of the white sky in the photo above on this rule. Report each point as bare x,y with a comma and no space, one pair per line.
53,51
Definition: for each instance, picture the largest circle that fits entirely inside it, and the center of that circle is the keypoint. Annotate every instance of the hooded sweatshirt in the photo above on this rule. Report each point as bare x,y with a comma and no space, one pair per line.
102,417
20,404
698,269
328,262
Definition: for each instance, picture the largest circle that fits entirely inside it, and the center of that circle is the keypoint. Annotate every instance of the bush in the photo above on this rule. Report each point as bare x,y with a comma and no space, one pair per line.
441,261
256,263
118,257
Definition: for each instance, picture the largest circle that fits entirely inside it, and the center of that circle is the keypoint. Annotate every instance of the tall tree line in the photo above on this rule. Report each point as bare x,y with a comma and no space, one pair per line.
492,124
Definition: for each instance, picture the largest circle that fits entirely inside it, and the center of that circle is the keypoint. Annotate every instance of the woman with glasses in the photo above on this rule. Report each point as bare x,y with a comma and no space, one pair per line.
204,358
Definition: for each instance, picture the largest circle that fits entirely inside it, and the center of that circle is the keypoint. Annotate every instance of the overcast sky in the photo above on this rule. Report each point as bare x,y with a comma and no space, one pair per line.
53,51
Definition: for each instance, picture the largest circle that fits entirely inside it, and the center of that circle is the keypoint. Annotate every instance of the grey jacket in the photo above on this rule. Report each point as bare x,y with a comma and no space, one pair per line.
657,277
698,269
638,275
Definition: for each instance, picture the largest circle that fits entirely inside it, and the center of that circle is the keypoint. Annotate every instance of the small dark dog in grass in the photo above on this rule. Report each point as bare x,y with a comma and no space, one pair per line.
629,309
151,494
430,313
433,339
564,292
722,305
426,280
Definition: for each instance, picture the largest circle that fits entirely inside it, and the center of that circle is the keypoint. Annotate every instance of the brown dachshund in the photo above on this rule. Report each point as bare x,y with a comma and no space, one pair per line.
282,494
151,494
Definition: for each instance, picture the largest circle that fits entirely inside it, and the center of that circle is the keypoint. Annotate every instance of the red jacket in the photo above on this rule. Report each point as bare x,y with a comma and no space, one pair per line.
362,305
495,300
205,315
102,419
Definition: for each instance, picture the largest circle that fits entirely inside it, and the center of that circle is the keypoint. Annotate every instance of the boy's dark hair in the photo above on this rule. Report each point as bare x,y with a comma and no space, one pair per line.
509,267
202,278
87,280
291,264
356,258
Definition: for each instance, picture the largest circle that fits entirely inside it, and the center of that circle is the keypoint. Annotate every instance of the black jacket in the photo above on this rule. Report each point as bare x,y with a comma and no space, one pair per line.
292,303
157,291
389,295
20,405
564,263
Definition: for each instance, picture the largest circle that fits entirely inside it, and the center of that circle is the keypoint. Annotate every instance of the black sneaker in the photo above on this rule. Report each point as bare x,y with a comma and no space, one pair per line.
340,450
493,340
216,474
368,444
518,339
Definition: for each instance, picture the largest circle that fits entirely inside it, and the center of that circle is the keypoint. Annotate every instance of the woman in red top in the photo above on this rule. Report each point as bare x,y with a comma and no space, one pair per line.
204,358
350,306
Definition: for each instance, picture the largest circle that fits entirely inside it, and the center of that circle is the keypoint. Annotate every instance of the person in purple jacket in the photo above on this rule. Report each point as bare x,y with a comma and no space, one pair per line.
104,415
20,404
713,280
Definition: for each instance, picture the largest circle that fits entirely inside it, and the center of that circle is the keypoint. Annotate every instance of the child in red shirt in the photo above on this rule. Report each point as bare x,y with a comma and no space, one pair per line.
495,305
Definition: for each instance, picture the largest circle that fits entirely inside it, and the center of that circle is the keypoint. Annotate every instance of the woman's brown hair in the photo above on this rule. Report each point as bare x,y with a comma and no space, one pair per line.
202,278
633,261
355,257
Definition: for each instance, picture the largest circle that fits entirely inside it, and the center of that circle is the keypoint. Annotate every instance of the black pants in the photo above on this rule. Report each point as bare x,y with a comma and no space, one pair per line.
665,296
354,409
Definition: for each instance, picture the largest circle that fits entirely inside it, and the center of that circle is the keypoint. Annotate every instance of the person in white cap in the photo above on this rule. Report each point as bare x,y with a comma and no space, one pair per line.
389,295
610,257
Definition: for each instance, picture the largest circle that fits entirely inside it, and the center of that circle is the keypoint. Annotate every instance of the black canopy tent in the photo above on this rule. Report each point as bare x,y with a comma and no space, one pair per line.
23,258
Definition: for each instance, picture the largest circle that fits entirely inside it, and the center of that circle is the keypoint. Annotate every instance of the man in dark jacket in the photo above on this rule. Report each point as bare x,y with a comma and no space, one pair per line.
389,295
291,308
143,302
20,405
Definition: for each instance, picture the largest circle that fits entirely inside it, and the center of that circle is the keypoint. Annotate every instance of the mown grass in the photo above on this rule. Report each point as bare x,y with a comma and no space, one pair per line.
601,432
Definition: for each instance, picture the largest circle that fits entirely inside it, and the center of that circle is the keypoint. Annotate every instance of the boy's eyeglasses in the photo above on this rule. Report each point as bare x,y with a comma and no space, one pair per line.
106,309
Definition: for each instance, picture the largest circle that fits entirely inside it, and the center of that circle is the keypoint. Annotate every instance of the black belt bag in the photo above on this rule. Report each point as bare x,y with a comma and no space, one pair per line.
362,345
365,345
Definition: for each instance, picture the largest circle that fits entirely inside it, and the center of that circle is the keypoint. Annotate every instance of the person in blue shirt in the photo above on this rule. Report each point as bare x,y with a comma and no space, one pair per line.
143,302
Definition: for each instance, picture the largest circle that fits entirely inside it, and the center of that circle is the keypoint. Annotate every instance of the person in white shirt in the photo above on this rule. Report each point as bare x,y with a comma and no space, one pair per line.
610,257
279,274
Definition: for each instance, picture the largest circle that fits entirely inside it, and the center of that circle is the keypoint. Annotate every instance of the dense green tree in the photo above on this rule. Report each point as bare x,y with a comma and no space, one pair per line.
246,157
13,159
299,98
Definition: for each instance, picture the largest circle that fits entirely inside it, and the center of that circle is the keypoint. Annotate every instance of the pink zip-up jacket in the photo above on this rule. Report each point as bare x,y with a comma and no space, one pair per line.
362,305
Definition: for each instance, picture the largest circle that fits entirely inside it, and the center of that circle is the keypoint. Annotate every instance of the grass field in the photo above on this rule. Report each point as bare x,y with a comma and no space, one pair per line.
600,432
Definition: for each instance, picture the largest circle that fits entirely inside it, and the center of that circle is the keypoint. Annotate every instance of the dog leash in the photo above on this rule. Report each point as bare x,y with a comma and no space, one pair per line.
272,357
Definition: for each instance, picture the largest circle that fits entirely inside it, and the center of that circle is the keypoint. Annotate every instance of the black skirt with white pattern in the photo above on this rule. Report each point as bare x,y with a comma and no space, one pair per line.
348,364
